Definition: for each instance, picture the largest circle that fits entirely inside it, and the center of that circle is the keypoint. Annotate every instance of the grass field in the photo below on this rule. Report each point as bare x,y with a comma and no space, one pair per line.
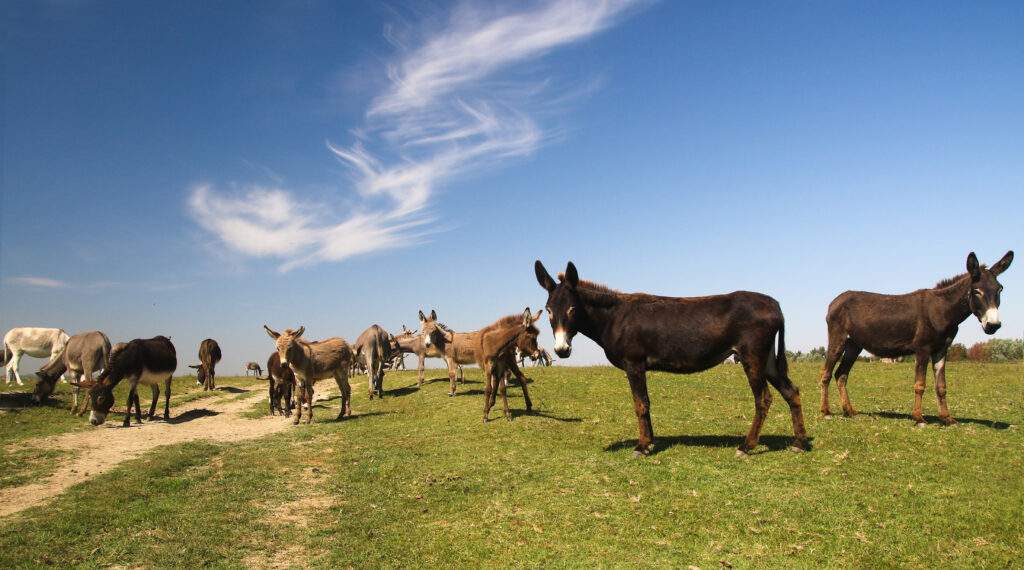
417,480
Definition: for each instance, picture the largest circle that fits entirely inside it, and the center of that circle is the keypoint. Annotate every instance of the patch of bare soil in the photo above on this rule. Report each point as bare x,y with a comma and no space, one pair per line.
108,445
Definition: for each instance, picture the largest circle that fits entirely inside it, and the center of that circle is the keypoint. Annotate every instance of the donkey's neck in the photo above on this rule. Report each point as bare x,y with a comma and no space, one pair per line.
506,339
955,300
598,307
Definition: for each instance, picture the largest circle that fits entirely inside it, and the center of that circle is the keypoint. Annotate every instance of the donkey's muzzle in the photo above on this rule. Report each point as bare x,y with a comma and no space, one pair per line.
991,328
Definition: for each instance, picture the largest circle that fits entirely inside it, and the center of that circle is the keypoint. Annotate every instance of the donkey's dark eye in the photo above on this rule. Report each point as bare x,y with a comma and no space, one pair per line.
570,311
977,293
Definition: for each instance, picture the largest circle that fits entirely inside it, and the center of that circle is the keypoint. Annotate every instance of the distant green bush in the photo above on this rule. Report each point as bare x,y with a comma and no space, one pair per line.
815,355
1006,349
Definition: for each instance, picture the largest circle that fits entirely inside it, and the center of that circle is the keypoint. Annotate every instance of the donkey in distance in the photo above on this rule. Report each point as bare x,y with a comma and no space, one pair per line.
923,323
641,332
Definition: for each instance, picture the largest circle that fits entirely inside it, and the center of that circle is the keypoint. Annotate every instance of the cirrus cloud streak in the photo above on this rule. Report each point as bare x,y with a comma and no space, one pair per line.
462,100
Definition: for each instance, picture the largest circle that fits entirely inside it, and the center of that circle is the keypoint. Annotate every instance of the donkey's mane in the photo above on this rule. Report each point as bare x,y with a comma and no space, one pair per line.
591,286
508,321
442,326
603,295
949,282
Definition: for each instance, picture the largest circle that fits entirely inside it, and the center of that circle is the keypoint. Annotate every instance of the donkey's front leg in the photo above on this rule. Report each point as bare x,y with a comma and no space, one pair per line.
939,369
920,380
637,376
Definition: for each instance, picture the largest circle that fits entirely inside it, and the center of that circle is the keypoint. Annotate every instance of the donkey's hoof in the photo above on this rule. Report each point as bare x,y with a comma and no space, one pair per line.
509,418
826,417
797,449
740,453
638,453
450,394
921,424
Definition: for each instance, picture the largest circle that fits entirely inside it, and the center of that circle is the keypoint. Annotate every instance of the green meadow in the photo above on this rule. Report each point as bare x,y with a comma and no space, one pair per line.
418,480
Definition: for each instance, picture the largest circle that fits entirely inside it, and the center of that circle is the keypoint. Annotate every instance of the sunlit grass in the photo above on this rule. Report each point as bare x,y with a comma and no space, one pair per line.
418,480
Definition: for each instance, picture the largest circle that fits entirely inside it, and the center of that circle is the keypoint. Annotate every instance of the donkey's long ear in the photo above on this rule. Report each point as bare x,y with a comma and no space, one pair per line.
543,277
433,315
1002,264
527,317
299,332
973,268
273,335
423,318
537,316
571,276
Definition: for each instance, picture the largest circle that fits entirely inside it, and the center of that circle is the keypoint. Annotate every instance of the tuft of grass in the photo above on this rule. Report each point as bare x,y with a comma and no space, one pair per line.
417,479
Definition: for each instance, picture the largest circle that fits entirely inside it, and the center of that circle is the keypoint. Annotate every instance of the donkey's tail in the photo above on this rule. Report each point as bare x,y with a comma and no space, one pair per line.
7,355
781,364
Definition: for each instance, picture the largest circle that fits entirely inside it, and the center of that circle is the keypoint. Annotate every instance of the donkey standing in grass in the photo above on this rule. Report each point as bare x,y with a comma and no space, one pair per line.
410,342
923,323
84,354
373,351
456,348
312,361
209,356
641,332
34,341
495,350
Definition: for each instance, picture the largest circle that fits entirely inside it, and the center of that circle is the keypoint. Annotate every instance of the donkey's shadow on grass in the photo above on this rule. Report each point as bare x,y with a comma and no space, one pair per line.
661,443
935,419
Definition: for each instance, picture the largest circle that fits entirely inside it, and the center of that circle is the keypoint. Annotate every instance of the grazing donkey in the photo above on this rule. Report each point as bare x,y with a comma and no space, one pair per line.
495,350
373,350
34,341
141,361
84,354
209,356
254,367
282,383
923,323
641,332
312,361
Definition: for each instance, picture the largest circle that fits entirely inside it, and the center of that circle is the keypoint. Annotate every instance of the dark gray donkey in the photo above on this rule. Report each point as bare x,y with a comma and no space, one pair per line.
84,354
923,323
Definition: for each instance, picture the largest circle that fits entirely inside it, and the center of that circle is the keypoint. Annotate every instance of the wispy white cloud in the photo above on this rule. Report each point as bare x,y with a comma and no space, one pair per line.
42,282
456,102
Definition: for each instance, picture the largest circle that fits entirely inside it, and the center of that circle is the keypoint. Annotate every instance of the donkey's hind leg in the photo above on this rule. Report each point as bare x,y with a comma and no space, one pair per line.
755,369
791,394
850,353
832,356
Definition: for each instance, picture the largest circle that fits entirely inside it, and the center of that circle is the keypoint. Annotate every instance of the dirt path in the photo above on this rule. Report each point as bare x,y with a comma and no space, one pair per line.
107,446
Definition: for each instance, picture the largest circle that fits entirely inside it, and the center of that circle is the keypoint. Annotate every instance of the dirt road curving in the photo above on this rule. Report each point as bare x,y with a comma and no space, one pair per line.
105,447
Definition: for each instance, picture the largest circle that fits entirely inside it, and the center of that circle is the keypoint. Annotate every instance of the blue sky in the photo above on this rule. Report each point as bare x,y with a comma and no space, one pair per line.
201,169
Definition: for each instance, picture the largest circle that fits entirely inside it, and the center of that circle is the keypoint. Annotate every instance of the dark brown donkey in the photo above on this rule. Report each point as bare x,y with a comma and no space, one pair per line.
495,351
922,323
641,332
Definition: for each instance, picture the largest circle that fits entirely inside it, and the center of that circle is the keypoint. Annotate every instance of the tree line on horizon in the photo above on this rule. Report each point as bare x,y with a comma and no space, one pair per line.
994,350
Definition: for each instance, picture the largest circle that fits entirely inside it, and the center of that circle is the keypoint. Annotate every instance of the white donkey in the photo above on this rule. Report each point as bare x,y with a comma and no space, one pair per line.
33,341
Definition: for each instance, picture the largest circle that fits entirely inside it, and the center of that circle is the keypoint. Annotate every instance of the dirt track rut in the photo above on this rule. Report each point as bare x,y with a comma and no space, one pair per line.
107,446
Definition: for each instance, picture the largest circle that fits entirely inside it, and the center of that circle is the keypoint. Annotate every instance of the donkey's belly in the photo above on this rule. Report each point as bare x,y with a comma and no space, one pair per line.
150,377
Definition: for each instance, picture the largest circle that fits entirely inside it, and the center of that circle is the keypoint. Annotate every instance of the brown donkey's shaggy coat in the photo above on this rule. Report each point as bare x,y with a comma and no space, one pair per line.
641,332
496,355
923,323
312,361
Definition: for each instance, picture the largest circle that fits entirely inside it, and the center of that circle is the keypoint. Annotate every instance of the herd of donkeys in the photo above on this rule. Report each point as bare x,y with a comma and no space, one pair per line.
638,332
